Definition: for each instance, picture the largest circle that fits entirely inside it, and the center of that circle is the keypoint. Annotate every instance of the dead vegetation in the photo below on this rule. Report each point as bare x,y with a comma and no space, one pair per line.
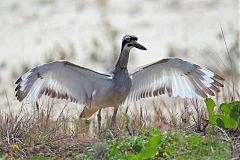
37,133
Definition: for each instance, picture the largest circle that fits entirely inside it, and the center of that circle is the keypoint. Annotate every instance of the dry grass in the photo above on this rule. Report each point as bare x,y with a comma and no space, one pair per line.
37,133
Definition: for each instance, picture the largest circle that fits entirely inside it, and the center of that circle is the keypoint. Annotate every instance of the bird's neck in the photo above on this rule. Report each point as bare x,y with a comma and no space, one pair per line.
123,59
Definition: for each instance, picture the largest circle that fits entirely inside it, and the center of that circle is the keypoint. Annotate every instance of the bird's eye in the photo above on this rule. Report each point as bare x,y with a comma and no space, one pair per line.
128,39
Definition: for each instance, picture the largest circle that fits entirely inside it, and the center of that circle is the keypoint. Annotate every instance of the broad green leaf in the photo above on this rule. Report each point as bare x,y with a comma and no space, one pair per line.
226,108
131,157
154,141
235,113
210,106
153,132
137,148
229,107
222,121
148,152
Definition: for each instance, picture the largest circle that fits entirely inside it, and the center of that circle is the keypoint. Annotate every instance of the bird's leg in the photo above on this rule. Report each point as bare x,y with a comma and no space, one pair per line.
113,122
99,118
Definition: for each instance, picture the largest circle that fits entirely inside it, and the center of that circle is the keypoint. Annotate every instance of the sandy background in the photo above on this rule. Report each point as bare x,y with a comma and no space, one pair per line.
29,29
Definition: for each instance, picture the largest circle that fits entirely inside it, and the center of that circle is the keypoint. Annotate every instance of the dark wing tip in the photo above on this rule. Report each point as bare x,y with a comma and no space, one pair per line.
18,95
18,87
216,83
218,77
19,80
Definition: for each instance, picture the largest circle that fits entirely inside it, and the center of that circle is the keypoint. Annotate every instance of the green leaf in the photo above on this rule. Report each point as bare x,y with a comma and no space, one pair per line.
131,157
150,149
229,107
148,152
210,106
154,141
232,110
222,121
226,108
235,113
137,148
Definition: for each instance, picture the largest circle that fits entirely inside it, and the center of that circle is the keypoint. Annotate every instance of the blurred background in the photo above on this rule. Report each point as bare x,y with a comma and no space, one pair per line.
89,33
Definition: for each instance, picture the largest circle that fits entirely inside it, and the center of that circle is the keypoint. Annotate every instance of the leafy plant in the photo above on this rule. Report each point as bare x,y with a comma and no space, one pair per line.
228,115
153,144
3,157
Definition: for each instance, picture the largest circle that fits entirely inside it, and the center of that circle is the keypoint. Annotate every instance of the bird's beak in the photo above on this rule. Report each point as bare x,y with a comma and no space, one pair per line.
139,46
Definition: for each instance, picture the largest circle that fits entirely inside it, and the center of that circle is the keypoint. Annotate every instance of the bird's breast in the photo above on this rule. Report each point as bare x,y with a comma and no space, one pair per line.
116,94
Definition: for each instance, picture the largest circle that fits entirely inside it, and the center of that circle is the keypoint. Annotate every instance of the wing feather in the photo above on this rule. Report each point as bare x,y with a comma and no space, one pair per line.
176,77
59,79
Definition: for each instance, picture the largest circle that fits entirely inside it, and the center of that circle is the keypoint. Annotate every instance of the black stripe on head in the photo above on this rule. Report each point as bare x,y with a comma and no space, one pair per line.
127,39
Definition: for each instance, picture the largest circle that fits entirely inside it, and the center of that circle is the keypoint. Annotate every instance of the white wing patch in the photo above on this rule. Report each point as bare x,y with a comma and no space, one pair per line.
60,79
175,77
34,92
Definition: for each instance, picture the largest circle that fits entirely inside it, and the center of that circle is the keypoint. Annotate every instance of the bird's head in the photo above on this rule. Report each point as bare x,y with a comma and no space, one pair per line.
130,41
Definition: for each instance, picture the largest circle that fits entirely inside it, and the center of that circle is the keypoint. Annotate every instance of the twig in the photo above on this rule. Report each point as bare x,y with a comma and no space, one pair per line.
231,62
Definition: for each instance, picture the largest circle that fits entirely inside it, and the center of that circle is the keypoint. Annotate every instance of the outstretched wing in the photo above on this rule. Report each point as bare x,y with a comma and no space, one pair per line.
175,77
59,79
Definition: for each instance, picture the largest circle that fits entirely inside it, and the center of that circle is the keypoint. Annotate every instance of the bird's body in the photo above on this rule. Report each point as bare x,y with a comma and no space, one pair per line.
65,80
100,90
112,93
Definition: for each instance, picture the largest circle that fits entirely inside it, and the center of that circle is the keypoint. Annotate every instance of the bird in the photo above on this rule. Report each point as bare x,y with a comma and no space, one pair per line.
65,80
